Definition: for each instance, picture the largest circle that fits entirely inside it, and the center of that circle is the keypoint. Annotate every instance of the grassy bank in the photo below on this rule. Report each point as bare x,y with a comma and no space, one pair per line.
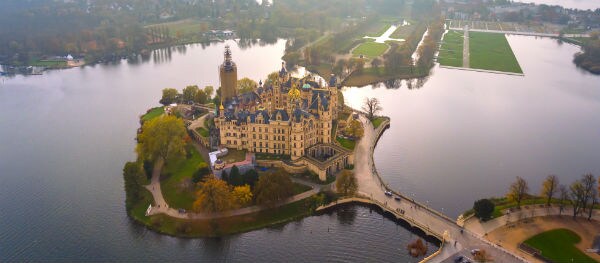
176,180
377,121
229,225
451,51
370,49
558,245
376,75
346,143
491,51
153,113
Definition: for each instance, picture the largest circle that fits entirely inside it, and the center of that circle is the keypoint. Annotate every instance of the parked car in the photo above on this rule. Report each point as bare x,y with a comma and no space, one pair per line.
181,211
397,198
388,193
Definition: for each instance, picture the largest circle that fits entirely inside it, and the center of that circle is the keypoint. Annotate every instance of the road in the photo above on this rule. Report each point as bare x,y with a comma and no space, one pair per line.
415,213
466,61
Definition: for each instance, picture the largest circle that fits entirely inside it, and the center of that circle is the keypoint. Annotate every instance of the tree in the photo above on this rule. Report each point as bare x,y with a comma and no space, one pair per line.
201,97
134,177
225,176
251,177
563,194
375,63
355,129
273,187
346,183
371,106
169,96
208,91
549,188
517,191
189,93
162,138
484,208
213,196
235,177
340,66
201,173
577,196
590,194
242,195
246,85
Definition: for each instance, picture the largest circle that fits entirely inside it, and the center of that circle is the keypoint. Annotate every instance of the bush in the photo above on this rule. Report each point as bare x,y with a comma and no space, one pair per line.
484,208
200,174
251,177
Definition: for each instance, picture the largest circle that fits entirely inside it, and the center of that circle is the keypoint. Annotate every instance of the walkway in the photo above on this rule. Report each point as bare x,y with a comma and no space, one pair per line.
524,33
416,214
466,61
161,206
386,35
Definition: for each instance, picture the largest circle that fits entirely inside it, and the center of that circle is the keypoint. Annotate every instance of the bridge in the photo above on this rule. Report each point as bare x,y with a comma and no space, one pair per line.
455,239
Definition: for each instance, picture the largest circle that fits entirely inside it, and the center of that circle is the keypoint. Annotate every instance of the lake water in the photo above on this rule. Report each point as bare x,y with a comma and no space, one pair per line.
466,135
65,135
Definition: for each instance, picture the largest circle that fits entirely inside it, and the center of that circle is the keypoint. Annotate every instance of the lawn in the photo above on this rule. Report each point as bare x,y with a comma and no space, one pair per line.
370,49
403,32
300,188
48,63
153,113
183,27
234,156
176,184
202,131
346,143
491,51
377,121
451,51
559,245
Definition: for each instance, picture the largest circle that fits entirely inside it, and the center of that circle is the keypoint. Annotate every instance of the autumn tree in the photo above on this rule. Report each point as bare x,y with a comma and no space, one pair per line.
517,191
375,63
346,183
213,196
563,194
272,188
340,66
169,96
242,195
371,106
549,188
189,93
484,208
577,191
162,139
246,85
590,194
355,129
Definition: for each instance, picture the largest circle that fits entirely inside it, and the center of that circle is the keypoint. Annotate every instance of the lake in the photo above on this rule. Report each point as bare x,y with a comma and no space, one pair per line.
65,136
466,135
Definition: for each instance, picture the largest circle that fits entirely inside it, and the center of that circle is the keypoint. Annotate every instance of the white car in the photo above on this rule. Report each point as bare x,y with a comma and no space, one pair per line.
388,193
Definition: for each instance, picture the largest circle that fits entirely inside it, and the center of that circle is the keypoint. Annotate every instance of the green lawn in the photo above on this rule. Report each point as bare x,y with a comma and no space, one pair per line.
403,32
153,113
348,144
48,63
183,28
559,245
370,49
300,188
175,175
202,131
377,121
491,51
451,51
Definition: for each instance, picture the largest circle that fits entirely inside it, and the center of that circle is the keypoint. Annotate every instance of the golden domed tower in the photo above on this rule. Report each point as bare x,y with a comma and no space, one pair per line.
228,77
294,97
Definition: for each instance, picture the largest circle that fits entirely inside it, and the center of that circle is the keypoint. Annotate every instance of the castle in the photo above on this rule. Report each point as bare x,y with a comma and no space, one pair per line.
285,116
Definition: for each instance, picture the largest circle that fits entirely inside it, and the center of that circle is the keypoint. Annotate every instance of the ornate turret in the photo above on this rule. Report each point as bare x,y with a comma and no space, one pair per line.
228,76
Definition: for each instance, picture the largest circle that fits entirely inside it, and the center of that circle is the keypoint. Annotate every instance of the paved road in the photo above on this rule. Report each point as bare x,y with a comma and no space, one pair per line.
466,61
371,186
163,208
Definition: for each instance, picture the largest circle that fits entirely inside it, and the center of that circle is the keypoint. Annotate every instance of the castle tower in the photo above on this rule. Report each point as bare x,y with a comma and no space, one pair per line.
228,77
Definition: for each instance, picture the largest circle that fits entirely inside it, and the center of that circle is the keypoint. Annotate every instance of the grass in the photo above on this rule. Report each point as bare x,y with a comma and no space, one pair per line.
377,121
558,245
403,32
370,49
451,51
48,64
346,143
176,184
230,225
202,131
300,188
372,75
270,156
183,28
491,51
153,113
234,156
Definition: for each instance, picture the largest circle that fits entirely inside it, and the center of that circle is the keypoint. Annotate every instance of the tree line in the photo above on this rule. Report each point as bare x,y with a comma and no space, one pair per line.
582,195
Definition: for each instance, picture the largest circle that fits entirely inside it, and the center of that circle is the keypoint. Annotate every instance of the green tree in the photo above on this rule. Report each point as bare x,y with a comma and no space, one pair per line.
272,188
213,196
189,93
251,177
201,173
134,177
162,138
208,91
355,129
484,208
169,96
346,183
246,85
517,191
235,177
242,195
201,97
549,188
